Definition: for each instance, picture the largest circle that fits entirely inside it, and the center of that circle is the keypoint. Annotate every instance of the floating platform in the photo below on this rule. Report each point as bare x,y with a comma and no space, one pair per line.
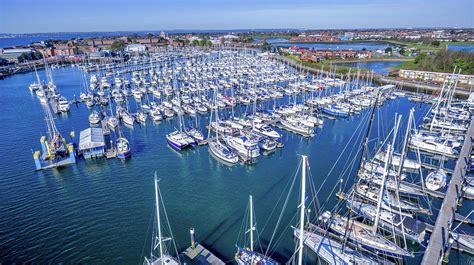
199,255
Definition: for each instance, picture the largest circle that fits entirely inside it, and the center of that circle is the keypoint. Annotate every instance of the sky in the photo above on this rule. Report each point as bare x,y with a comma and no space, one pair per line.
35,16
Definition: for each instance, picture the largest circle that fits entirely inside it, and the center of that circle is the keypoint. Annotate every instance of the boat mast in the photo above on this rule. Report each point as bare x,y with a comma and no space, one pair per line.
302,209
385,173
251,224
382,187
367,134
157,188
405,142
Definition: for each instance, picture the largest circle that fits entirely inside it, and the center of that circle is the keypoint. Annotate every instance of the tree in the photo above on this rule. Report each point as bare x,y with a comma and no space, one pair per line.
195,43
435,43
37,55
186,42
117,45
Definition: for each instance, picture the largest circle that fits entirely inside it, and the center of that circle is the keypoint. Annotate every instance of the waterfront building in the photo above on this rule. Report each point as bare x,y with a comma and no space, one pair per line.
435,76
92,143
135,48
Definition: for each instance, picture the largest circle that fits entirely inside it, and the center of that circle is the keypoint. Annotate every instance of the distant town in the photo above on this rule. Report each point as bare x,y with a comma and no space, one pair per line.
407,45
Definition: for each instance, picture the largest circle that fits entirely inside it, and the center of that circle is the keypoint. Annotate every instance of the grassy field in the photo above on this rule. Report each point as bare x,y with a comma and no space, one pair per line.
328,66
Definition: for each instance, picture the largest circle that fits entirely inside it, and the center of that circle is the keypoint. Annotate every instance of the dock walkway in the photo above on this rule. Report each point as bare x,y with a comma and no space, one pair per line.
439,238
199,255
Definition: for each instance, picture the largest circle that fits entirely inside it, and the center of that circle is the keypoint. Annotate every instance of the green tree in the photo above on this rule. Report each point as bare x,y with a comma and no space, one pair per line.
202,42
186,42
435,43
195,43
37,55
117,45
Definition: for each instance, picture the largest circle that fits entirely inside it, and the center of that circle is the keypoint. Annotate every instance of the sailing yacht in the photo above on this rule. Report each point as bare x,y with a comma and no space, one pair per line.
436,180
216,147
123,146
158,255
402,225
247,255
364,235
127,118
329,250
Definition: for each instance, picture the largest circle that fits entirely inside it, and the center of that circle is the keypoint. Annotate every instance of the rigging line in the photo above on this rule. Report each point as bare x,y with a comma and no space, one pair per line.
169,226
243,225
345,171
279,199
150,222
340,155
283,209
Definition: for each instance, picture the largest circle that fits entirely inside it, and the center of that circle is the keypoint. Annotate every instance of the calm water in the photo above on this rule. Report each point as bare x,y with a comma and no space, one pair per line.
461,47
371,46
101,211
377,67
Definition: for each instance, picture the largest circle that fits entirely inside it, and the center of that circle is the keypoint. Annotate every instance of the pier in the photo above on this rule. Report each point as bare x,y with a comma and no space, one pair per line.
439,239
197,254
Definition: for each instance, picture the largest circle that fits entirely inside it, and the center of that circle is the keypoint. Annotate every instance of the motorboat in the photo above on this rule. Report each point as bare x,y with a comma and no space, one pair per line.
63,104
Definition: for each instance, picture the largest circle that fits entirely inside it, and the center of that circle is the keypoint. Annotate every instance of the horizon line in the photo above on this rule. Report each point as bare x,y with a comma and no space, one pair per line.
237,29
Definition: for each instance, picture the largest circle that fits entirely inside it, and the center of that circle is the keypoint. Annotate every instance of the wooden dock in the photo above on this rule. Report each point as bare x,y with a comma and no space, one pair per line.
199,255
436,250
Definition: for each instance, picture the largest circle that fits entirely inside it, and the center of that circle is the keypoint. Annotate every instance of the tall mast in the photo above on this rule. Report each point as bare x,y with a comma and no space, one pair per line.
367,134
382,187
157,189
302,209
405,142
385,173
251,224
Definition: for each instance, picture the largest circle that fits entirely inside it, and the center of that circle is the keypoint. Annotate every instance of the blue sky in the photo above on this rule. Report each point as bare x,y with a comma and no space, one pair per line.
29,16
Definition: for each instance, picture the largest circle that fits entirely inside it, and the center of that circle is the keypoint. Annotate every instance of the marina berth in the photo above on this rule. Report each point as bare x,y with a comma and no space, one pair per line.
246,105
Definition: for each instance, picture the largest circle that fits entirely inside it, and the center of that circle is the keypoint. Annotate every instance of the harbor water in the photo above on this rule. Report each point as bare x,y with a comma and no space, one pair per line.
378,67
101,211
367,45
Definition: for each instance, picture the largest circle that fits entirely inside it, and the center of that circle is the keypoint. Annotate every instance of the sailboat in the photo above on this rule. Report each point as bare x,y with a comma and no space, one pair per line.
36,85
123,146
158,255
178,139
436,180
216,147
94,118
112,121
319,242
247,255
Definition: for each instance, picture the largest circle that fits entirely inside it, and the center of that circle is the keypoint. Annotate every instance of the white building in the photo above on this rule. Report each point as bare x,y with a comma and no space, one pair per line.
135,48
92,143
